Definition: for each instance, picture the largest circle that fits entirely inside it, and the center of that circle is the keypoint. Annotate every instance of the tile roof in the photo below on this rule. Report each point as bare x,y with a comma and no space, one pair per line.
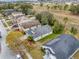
63,46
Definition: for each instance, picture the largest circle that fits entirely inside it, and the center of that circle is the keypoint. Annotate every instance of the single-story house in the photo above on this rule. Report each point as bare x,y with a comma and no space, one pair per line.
39,32
63,47
29,24
8,12
15,15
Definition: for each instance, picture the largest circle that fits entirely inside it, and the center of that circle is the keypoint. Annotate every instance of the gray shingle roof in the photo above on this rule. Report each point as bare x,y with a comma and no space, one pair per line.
40,31
63,46
30,24
9,11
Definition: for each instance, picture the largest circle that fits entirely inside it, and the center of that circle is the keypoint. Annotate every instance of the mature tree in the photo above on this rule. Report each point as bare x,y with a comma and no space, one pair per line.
58,28
25,8
10,6
41,4
74,9
30,38
65,23
38,17
13,39
48,7
55,6
66,7
65,20
45,18
59,7
73,30
77,9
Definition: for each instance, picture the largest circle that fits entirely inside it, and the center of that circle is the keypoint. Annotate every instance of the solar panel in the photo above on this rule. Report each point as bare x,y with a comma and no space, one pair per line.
39,31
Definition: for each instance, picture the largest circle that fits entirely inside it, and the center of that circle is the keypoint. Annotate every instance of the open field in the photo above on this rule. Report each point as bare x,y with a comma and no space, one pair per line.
60,14
73,20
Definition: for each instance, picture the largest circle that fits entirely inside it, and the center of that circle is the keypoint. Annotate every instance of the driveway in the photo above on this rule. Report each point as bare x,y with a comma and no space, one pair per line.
6,53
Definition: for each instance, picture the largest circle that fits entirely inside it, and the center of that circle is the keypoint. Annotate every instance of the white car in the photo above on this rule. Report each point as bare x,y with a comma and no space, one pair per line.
18,56
0,35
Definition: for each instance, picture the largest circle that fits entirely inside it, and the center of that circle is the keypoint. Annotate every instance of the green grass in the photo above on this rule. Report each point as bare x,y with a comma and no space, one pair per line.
36,51
48,38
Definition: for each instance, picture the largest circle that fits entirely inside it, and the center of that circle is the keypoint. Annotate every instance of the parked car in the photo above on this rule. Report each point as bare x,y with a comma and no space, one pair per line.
0,47
0,35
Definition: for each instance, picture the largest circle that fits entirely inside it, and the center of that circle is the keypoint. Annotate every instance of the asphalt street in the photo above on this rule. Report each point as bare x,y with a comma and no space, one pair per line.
6,53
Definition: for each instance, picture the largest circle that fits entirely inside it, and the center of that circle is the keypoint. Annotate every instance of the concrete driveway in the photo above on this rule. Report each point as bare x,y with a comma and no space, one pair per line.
6,53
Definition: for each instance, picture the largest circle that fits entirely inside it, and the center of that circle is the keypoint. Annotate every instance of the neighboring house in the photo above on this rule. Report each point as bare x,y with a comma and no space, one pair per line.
61,48
19,20
33,24
16,16
8,12
39,32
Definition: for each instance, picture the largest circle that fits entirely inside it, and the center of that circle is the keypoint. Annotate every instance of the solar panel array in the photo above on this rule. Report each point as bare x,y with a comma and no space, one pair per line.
40,31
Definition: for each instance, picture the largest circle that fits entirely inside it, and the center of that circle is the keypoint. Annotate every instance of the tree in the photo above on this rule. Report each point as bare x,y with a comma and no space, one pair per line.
25,8
66,7
38,17
10,6
12,39
60,7
55,6
30,39
65,23
58,28
74,9
73,30
41,4
65,20
45,18
48,7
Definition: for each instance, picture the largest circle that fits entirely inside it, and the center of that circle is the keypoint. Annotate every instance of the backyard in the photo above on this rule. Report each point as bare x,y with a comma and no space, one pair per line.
76,56
36,52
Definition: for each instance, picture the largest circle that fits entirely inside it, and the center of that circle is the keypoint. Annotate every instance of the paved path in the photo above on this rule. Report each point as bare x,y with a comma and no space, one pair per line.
6,53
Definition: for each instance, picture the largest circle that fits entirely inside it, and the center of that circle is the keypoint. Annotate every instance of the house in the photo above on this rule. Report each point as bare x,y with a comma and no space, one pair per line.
8,12
29,24
15,15
63,47
39,32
